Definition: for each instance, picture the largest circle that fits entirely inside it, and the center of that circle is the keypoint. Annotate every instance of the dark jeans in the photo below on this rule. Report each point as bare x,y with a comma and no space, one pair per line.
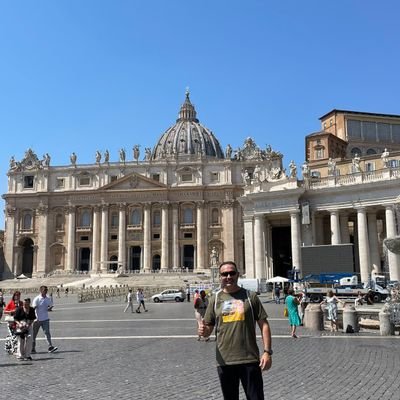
249,374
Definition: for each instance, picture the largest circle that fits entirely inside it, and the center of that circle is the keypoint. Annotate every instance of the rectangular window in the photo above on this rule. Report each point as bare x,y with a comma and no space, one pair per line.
369,131
315,174
369,166
114,178
60,183
393,163
84,181
156,236
214,176
114,237
319,153
396,133
187,178
83,238
188,235
354,129
155,177
28,182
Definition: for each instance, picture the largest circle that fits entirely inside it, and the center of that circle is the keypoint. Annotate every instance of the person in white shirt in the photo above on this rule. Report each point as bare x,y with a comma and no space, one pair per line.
129,301
140,300
42,305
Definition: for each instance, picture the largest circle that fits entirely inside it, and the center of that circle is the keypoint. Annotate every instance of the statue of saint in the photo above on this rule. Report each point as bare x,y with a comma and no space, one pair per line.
214,257
147,152
356,163
292,169
106,156
331,167
228,152
13,164
305,170
136,152
73,158
257,173
122,155
246,177
46,160
385,158
98,156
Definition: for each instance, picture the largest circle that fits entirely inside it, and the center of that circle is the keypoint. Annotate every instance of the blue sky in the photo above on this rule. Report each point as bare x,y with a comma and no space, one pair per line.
82,75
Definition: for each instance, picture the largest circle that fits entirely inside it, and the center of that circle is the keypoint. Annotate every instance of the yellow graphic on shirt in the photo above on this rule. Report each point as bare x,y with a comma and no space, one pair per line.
232,311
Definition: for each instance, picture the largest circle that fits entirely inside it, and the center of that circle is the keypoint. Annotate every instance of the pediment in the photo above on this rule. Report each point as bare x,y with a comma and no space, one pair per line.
133,181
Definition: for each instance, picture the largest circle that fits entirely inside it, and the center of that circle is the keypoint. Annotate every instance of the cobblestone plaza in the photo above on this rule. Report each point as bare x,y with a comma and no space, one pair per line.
107,354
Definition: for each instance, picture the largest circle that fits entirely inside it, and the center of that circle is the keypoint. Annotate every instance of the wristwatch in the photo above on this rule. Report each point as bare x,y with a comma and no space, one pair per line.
270,352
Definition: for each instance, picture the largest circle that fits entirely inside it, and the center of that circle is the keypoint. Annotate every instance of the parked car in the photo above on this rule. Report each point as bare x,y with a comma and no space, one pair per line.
169,295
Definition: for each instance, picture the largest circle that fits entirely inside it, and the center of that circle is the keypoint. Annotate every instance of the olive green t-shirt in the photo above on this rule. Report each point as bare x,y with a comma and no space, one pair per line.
234,320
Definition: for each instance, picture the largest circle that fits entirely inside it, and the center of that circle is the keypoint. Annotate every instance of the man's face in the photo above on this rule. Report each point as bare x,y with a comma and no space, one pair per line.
228,275
43,291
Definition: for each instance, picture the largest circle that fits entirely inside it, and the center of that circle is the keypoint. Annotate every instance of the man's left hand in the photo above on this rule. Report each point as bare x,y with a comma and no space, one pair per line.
265,362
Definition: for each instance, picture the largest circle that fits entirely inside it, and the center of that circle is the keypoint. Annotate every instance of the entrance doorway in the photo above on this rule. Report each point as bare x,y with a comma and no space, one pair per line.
114,266
136,252
84,259
156,262
27,257
188,256
281,251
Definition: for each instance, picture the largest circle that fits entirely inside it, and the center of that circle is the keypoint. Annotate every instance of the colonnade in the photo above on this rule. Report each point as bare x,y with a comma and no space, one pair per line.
258,253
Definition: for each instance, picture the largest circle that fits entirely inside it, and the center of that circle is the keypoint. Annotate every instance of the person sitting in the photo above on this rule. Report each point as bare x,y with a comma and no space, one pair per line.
359,300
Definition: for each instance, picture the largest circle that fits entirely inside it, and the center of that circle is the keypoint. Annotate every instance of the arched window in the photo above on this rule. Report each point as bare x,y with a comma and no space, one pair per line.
355,150
114,219
156,218
188,216
27,221
136,217
85,218
370,152
59,221
215,216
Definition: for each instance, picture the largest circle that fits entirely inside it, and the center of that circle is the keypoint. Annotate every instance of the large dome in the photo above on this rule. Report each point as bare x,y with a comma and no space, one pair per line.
187,137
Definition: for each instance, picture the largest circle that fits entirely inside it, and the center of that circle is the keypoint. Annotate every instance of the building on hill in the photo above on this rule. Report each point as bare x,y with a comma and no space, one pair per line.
336,218
165,209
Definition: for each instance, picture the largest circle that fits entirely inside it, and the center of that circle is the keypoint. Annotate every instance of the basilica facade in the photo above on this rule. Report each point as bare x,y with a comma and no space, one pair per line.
166,208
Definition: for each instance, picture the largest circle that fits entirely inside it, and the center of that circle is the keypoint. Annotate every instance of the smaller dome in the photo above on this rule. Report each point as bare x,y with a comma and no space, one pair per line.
187,137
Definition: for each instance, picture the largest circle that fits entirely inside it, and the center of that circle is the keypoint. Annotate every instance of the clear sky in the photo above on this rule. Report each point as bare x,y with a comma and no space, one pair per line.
82,75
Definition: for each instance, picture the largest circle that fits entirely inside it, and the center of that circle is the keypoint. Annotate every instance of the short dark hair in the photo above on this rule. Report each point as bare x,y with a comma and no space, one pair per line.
228,263
44,287
27,300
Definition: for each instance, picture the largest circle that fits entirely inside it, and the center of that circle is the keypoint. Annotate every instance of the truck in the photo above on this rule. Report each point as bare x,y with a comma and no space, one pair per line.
344,285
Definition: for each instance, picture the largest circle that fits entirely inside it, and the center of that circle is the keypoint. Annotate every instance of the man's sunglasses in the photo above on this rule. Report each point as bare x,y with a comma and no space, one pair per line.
228,273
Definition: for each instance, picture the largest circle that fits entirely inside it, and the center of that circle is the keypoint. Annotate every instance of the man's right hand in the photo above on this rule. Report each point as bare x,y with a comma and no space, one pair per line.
202,329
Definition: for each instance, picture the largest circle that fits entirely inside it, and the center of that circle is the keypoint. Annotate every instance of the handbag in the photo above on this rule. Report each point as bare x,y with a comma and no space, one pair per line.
285,312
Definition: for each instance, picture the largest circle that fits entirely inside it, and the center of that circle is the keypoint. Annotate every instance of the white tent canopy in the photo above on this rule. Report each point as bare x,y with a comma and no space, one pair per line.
277,279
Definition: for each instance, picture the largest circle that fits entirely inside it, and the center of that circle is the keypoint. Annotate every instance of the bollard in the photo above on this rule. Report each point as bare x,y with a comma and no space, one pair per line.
314,318
350,319
386,327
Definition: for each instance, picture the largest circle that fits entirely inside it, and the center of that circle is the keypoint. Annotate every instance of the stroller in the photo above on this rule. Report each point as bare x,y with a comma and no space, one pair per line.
11,341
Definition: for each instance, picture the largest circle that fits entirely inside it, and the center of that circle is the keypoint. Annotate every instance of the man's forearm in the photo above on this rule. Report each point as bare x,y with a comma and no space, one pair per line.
265,334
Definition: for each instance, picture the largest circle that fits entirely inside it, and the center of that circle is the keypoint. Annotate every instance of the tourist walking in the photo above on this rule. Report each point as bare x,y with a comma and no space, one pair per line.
129,301
277,294
42,305
331,302
13,304
235,311
140,300
200,306
24,317
292,304
188,293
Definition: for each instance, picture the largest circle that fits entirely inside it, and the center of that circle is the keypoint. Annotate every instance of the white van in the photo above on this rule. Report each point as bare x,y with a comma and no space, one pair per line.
250,284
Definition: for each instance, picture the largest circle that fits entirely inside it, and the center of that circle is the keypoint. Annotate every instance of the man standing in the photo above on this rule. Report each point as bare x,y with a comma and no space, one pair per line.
42,305
234,311
129,300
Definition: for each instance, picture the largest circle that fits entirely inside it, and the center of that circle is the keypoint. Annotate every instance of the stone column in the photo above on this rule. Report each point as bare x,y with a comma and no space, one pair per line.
344,228
268,251
295,240
147,238
393,259
122,237
201,237
96,240
335,227
71,239
175,236
373,243
104,239
249,246
229,231
363,244
10,243
164,237
43,240
259,248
